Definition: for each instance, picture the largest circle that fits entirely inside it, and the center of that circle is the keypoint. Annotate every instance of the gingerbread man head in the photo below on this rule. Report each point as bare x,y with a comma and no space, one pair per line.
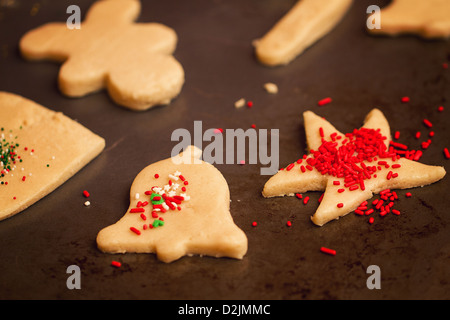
133,61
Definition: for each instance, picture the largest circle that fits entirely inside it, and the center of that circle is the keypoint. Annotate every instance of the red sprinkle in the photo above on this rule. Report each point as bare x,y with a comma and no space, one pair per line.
137,210
340,205
86,194
328,251
156,176
446,153
305,201
408,195
116,264
135,230
324,101
427,123
440,108
405,99
250,104
289,224
254,224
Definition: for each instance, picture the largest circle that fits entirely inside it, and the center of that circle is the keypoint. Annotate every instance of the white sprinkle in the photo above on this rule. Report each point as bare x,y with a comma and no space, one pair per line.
136,196
87,203
173,177
171,193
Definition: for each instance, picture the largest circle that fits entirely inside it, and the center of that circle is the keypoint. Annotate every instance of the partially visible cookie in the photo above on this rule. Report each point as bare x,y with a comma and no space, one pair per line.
133,61
177,208
350,167
426,18
302,26
40,150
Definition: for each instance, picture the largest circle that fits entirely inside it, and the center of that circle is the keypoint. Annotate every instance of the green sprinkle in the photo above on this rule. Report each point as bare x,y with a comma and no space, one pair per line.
156,201
158,223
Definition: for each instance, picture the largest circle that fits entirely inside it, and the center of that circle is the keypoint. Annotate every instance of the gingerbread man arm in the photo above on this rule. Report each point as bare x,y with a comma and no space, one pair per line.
52,41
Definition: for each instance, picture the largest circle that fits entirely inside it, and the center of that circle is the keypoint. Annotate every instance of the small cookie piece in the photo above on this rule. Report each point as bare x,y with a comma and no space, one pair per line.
350,168
183,209
271,88
427,18
40,150
302,26
133,61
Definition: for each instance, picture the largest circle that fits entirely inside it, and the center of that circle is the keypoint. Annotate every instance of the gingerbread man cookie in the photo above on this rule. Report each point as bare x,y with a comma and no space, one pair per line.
40,149
133,61
350,168
178,206
426,18
302,26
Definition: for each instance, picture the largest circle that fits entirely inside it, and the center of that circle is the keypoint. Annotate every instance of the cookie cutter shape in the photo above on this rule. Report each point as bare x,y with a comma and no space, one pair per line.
335,204
133,61
429,19
41,149
183,208
307,22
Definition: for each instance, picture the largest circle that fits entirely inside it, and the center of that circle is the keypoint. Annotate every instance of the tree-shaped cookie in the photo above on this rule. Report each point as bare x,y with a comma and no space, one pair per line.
426,18
178,206
133,61
39,150
350,167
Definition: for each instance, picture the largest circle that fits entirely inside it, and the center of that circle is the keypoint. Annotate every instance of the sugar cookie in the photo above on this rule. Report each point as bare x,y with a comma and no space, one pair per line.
350,168
133,61
302,26
177,209
426,18
40,150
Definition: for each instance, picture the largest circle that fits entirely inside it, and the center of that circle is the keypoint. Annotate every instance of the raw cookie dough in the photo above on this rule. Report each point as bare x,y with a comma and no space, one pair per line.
426,18
372,177
303,25
41,149
132,60
177,209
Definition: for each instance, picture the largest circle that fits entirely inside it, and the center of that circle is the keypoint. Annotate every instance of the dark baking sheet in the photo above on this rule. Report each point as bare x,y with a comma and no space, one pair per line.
357,70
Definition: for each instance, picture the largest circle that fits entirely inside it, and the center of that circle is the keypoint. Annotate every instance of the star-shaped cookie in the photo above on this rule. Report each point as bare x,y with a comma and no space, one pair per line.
426,18
133,61
350,167
177,208
40,150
